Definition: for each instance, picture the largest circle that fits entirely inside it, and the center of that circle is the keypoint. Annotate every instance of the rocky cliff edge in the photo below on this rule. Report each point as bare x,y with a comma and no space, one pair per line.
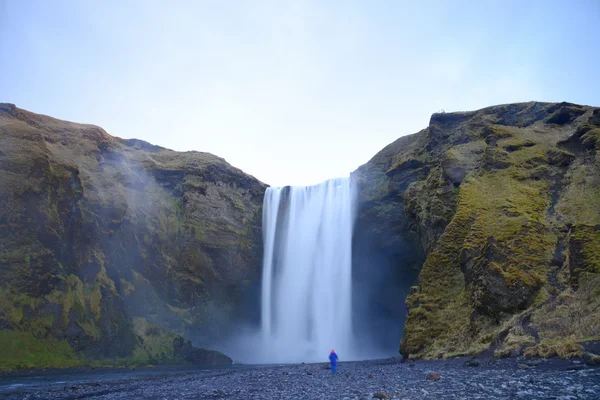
500,211
101,236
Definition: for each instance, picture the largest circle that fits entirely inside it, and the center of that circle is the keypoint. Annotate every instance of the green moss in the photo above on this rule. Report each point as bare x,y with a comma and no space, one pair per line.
72,297
19,350
237,203
42,326
194,181
543,296
155,343
92,192
440,305
557,347
94,301
501,131
89,329
432,203
503,204
373,186
589,237
9,310
591,139
579,202
12,306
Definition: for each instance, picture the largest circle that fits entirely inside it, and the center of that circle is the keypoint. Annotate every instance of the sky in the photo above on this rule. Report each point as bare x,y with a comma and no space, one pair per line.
291,92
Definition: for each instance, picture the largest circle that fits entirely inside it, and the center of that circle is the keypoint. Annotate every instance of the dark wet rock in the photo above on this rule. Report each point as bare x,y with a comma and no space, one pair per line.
591,359
117,229
381,395
515,353
454,169
565,114
185,350
434,376
472,363
592,347
560,158
494,293
533,363
495,191
494,158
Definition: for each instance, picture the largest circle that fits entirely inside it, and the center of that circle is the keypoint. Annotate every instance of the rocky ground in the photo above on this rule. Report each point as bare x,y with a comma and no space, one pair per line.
490,380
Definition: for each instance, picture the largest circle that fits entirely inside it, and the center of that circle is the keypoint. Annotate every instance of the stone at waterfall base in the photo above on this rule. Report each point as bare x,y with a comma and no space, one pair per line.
500,380
382,396
201,357
433,376
591,359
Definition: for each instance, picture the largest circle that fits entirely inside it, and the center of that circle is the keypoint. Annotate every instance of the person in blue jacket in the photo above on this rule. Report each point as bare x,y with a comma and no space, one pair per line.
333,359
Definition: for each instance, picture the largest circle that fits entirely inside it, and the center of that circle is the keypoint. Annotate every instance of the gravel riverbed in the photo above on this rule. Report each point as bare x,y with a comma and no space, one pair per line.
490,380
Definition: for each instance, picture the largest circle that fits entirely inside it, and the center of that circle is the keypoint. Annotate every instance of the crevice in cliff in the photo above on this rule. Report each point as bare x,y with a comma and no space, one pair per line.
386,260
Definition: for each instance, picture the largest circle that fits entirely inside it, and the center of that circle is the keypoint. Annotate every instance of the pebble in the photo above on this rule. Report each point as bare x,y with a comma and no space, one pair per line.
501,381
472,363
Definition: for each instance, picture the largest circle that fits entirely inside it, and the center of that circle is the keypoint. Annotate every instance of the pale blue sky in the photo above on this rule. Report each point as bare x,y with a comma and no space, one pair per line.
292,92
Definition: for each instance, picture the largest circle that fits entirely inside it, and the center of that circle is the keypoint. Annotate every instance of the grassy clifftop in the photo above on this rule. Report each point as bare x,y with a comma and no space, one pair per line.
96,230
505,203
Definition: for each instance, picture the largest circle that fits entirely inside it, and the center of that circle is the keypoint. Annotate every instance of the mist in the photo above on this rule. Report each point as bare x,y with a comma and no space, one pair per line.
383,269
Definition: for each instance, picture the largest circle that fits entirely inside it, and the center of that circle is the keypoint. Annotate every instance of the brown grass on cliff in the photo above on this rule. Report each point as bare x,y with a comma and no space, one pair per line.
515,206
573,313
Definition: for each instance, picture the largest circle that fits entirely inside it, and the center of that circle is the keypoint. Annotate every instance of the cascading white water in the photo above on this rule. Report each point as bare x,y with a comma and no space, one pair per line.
307,272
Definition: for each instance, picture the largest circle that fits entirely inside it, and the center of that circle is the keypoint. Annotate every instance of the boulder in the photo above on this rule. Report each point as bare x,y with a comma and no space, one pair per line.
201,357
472,363
591,359
382,395
434,376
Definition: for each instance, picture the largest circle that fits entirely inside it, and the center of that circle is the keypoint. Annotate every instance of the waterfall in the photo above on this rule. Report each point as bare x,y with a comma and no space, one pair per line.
307,272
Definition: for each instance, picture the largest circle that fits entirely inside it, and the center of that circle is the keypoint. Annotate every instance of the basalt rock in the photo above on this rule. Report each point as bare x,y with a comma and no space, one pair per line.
498,209
185,350
96,230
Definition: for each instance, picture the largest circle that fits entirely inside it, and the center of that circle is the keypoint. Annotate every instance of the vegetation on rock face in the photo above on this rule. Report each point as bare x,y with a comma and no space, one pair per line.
110,249
505,202
26,350
97,230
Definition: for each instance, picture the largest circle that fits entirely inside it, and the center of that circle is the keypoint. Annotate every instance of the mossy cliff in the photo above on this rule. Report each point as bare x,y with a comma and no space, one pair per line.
97,230
500,210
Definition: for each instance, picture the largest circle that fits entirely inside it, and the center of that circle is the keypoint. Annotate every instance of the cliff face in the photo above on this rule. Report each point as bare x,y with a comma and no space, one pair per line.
500,211
97,230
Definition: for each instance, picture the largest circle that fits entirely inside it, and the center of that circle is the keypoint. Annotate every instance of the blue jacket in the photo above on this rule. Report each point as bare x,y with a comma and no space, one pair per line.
333,358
